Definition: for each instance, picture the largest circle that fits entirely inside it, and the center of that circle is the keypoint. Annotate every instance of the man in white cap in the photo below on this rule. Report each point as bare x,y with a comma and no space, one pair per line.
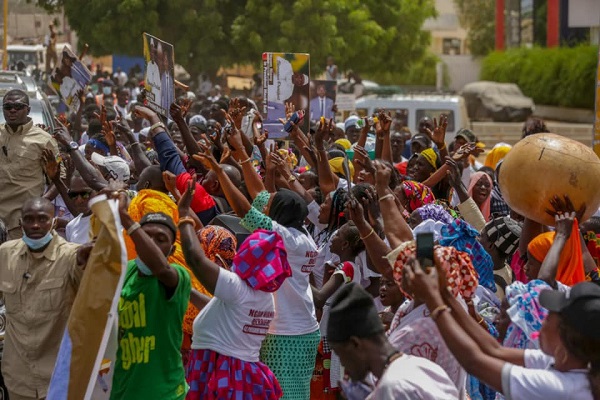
112,167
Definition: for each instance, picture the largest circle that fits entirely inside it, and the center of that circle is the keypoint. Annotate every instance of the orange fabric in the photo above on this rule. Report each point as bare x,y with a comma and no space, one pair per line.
570,266
148,201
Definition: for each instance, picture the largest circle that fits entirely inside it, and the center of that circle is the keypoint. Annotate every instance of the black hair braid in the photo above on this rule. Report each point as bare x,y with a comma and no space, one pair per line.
353,237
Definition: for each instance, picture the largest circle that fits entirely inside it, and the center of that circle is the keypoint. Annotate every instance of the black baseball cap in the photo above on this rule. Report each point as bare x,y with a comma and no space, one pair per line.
467,134
161,219
580,307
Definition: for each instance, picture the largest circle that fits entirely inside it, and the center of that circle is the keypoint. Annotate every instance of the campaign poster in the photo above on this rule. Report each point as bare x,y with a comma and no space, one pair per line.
286,79
322,99
70,78
159,78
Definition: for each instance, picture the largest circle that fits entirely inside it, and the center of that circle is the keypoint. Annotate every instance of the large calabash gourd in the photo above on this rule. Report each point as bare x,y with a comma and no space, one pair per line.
545,165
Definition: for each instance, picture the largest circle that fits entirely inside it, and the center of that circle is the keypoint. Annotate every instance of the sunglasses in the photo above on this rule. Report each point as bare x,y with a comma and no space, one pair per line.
83,195
14,106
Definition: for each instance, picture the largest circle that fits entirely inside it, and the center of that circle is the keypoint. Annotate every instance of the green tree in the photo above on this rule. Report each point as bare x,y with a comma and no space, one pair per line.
478,17
200,30
368,36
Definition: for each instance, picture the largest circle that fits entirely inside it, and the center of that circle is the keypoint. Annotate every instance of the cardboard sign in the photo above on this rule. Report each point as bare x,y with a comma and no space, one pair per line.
346,102
158,80
286,79
70,78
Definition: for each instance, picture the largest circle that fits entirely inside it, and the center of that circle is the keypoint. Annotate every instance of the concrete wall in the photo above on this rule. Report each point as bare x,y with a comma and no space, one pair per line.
462,69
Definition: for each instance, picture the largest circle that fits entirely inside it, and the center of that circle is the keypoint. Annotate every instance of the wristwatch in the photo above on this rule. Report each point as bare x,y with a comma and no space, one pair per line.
73,146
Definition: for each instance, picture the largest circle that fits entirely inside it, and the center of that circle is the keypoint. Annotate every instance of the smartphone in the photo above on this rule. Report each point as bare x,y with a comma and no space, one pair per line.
425,249
295,118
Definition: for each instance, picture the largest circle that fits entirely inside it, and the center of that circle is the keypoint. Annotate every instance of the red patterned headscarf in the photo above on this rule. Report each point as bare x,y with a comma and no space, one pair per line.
460,273
417,194
262,261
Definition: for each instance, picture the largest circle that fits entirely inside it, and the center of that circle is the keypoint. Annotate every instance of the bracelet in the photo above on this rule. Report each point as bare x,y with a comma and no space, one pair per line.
442,148
245,161
387,196
186,220
156,125
436,313
134,227
291,179
370,233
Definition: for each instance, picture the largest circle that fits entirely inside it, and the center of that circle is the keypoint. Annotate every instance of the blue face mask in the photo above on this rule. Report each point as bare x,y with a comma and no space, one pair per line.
36,244
143,268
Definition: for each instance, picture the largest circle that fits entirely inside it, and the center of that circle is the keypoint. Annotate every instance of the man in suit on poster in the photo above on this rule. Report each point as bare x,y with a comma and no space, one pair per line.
321,106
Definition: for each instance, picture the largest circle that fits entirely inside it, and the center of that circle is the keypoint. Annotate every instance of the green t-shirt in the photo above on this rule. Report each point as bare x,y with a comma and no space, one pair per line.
149,364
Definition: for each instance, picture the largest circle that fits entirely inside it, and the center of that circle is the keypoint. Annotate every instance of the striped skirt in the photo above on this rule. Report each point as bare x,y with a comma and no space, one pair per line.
213,376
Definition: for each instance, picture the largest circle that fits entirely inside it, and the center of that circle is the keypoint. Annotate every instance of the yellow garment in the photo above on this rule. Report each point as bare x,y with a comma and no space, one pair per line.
345,143
430,156
337,166
150,201
496,155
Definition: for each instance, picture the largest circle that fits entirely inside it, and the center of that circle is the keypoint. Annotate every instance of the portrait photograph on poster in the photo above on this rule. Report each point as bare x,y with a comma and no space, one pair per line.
159,82
286,78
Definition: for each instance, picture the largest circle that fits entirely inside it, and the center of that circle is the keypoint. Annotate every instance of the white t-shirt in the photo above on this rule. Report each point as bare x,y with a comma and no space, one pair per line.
234,322
294,305
78,229
409,377
539,380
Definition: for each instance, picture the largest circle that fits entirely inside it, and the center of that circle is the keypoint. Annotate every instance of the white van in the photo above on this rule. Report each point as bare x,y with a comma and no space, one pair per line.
32,55
410,108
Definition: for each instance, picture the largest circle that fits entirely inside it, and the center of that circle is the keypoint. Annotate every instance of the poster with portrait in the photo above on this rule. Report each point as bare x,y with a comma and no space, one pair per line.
70,78
322,99
286,78
159,78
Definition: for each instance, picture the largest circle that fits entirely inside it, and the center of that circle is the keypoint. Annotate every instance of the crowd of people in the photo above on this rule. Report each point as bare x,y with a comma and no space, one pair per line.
263,269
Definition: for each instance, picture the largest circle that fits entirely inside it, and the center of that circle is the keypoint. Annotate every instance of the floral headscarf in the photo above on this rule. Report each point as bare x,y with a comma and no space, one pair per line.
218,244
463,237
526,314
436,213
417,194
460,274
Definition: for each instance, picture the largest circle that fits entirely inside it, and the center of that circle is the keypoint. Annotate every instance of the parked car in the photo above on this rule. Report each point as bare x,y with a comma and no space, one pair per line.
410,108
500,102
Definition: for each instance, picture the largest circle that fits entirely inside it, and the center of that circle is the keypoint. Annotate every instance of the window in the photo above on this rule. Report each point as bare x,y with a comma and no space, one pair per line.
451,46
436,114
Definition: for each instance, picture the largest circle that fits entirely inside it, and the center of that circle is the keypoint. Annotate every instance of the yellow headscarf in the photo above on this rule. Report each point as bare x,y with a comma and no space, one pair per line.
345,143
150,201
496,155
430,156
337,166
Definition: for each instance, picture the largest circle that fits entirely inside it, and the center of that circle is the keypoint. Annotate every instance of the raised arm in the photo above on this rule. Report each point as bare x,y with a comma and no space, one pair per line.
328,181
395,226
178,115
205,270
376,248
140,160
148,251
471,352
383,137
88,172
438,135
52,170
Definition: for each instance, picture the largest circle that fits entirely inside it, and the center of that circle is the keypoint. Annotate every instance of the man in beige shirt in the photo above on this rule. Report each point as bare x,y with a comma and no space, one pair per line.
39,278
21,146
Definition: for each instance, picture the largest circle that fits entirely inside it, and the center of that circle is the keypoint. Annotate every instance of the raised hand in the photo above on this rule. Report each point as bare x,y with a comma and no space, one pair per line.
206,158
355,212
170,181
186,198
564,224
290,109
384,124
176,112
236,112
364,161
438,135
383,174
185,106
454,174
423,284
260,138
464,151
565,206
225,154
371,204
324,130
61,134
145,113
50,164
233,135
